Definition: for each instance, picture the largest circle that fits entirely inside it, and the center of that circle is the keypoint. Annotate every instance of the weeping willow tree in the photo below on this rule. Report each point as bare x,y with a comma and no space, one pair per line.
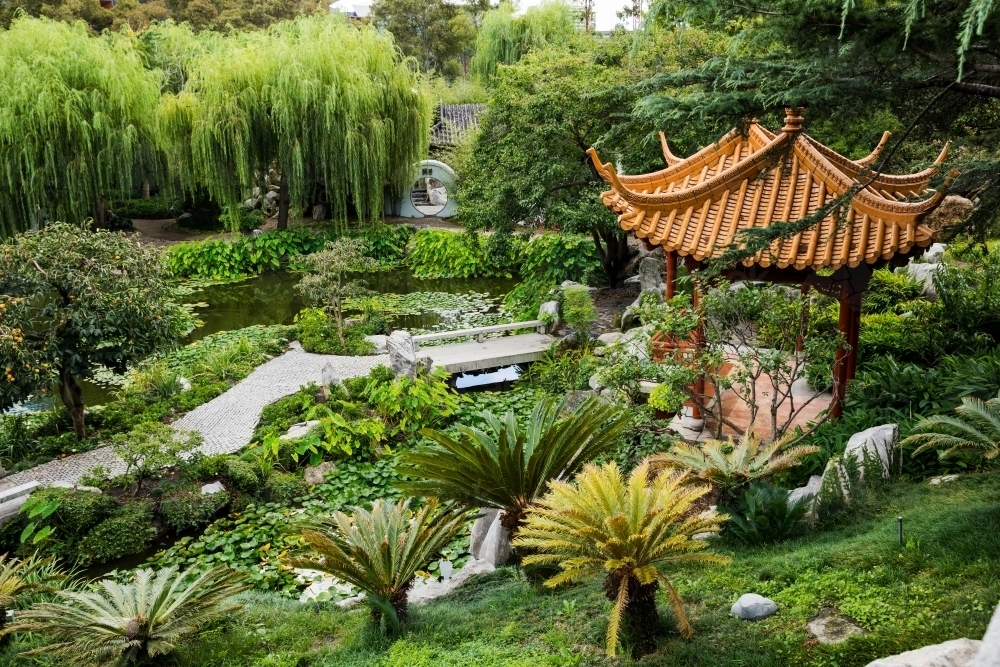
77,122
504,38
325,102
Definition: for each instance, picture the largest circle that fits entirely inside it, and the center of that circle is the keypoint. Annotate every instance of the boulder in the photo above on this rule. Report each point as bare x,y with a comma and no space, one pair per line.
830,627
314,475
924,274
812,488
989,650
876,444
935,254
935,481
379,341
480,528
402,354
300,430
437,196
630,318
595,382
329,376
610,338
496,549
319,212
753,607
214,487
184,383
650,274
954,653
549,311
429,590
271,197
952,210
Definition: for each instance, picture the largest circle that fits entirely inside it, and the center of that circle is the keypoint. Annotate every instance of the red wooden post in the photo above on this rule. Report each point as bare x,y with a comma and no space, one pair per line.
840,363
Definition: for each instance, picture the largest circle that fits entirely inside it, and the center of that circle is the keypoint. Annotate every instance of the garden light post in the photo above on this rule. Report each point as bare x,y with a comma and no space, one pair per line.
899,522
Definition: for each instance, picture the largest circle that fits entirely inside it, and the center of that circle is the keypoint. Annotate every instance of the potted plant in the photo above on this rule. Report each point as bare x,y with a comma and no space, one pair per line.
672,323
665,399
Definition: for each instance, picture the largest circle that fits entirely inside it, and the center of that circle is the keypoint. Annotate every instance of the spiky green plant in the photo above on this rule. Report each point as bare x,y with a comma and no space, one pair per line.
77,122
119,624
506,466
974,428
729,465
603,524
380,551
352,118
23,577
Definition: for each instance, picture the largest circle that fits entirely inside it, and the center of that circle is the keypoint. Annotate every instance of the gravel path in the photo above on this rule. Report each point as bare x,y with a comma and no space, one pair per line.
226,423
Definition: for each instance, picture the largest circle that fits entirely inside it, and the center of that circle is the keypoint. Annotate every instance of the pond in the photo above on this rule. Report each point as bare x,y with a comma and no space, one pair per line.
272,299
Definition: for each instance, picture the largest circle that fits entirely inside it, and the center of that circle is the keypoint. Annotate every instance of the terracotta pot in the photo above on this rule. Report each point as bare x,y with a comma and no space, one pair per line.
663,415
667,346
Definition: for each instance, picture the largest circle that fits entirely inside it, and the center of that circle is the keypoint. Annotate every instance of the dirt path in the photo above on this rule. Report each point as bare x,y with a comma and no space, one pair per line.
166,233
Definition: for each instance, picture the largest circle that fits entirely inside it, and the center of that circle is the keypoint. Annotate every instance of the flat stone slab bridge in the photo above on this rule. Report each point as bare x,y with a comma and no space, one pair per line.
227,422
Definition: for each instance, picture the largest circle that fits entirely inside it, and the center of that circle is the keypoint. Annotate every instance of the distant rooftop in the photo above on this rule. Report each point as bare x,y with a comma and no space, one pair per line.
354,10
454,120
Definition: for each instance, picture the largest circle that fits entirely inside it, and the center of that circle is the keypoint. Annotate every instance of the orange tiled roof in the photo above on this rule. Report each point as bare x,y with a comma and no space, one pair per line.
697,205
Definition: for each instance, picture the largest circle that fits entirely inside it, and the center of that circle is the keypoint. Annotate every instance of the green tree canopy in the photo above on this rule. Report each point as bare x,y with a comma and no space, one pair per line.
434,32
329,104
78,299
504,38
77,122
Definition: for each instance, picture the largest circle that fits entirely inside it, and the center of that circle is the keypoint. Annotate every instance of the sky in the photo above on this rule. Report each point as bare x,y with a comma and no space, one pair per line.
604,11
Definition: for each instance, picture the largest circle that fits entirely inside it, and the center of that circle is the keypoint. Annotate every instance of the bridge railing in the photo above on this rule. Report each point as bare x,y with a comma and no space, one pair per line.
480,332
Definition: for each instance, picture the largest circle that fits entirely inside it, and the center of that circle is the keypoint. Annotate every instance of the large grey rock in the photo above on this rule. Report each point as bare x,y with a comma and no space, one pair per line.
595,382
214,487
753,607
954,653
630,318
989,650
830,627
549,311
430,590
924,274
650,274
635,342
480,528
610,338
877,444
575,398
314,475
319,212
329,376
402,354
810,490
300,430
496,549
953,209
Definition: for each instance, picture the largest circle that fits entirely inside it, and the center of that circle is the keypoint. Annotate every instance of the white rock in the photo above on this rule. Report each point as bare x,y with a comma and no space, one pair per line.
314,475
595,382
610,338
424,592
935,253
753,607
646,387
941,480
379,341
402,354
329,376
300,430
184,383
496,549
549,311
924,274
954,653
812,488
480,528
650,273
876,444
989,650
214,487
84,487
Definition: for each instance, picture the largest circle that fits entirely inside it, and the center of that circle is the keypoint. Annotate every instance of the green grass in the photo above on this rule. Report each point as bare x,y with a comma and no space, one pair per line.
942,585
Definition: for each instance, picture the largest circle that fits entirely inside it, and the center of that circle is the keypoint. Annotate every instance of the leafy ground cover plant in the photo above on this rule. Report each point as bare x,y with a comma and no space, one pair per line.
440,253
380,551
134,622
508,466
622,529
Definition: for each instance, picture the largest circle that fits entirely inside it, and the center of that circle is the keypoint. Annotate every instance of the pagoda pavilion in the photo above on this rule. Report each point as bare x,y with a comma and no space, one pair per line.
698,206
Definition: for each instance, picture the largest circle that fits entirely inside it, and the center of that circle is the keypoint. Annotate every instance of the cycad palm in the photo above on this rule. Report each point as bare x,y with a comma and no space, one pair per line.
118,624
19,578
603,524
974,428
507,467
380,551
728,465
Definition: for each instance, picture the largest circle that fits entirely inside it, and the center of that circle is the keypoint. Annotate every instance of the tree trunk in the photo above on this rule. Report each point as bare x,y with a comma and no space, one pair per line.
145,189
614,253
640,617
100,213
283,202
72,398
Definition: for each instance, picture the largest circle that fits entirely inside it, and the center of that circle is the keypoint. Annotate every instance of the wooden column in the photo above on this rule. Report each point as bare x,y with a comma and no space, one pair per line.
671,274
846,362
699,334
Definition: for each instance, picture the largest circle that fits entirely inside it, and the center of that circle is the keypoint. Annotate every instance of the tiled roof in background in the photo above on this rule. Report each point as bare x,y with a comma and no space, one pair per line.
454,120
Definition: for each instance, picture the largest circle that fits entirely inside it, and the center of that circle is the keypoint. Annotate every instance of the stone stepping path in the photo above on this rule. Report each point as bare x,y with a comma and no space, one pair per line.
226,423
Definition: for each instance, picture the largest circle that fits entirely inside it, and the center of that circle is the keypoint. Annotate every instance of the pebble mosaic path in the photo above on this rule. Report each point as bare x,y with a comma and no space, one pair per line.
226,422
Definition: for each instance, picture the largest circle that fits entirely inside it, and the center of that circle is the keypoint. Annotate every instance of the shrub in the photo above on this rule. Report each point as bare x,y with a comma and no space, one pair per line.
524,300
282,487
904,338
578,310
241,475
150,449
622,529
118,624
380,551
312,328
439,253
128,531
247,256
887,291
240,218
554,257
154,208
508,467
561,370
190,509
763,515
79,511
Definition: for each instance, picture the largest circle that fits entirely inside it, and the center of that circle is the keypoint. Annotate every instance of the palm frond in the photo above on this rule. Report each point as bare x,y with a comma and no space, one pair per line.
975,427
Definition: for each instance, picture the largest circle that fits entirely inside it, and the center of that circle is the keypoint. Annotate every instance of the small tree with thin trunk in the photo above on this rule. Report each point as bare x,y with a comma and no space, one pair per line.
79,300
150,449
326,282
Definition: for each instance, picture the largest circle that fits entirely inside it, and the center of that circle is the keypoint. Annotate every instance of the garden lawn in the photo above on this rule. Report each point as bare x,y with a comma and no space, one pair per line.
941,585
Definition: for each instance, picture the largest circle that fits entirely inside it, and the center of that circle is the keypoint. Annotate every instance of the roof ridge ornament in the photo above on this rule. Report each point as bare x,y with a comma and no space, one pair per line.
793,120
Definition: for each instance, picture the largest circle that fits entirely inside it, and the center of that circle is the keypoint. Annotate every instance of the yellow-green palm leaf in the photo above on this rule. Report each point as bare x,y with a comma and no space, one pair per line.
604,524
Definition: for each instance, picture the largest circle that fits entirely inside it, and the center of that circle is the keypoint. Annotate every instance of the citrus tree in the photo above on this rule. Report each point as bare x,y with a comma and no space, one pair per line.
73,299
